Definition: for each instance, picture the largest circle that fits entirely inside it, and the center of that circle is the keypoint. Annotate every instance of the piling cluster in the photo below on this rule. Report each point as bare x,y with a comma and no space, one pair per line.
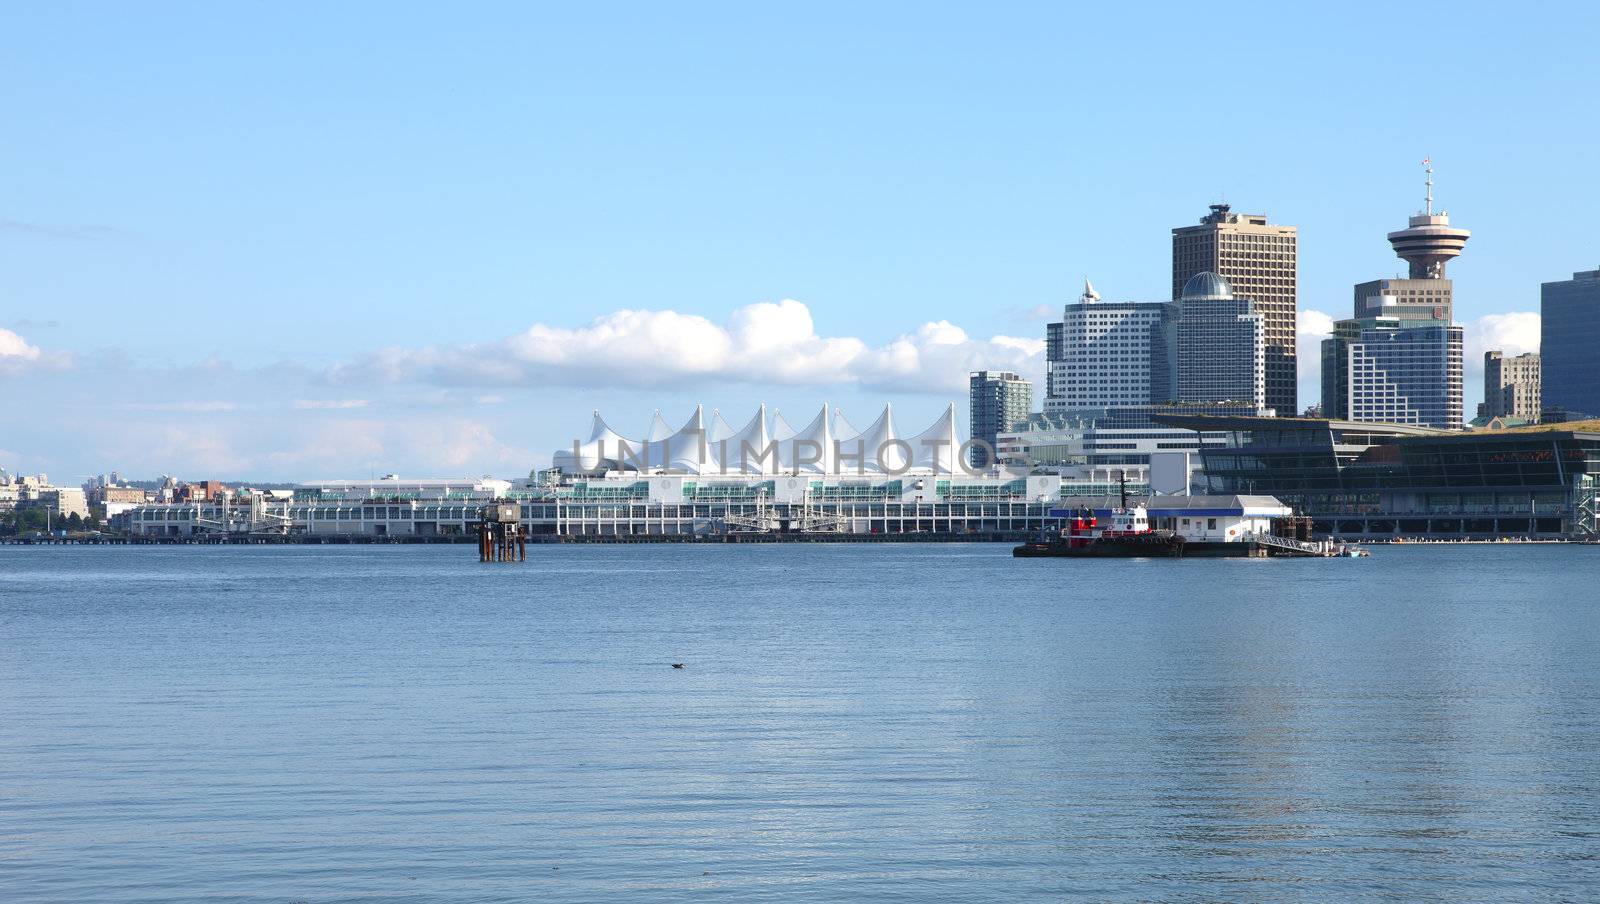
501,536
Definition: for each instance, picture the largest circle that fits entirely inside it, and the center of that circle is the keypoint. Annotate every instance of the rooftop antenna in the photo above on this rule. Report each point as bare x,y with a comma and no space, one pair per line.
1427,167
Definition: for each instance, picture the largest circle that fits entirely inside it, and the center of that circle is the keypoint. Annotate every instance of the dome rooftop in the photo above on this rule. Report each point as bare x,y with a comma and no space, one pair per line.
1207,285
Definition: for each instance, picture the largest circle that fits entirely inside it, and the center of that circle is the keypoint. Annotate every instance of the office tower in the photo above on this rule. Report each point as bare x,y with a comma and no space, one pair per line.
1055,351
1110,354
1259,260
1569,344
1385,372
1510,386
1221,344
1398,359
1000,400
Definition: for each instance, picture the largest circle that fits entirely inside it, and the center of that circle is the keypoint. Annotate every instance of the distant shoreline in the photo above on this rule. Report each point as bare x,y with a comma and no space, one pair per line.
725,539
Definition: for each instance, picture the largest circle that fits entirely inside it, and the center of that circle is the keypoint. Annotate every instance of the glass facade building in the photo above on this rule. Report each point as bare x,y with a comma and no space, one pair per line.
999,399
1357,479
1221,345
1399,360
1394,375
1569,340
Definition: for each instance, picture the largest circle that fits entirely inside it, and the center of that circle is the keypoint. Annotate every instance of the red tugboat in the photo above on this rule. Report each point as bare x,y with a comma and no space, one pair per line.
1128,535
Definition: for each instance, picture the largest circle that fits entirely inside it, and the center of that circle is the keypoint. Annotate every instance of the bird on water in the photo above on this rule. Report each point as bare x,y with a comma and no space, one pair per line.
677,665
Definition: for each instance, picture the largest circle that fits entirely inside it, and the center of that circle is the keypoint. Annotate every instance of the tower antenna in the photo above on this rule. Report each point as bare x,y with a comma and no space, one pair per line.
1427,167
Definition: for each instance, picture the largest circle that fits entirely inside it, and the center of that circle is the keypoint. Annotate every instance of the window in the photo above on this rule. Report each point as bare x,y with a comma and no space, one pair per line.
1211,524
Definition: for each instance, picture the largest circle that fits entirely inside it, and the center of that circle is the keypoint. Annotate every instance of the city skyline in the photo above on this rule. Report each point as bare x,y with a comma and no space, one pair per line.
280,274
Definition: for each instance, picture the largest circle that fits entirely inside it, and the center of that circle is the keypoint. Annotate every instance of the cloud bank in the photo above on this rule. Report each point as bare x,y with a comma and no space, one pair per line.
1513,333
775,343
17,356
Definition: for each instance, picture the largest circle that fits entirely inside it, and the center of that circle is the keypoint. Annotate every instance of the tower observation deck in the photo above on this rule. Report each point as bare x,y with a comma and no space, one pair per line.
1429,240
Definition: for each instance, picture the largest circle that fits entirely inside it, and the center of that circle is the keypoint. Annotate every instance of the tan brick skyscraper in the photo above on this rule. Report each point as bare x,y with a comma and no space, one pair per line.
1260,260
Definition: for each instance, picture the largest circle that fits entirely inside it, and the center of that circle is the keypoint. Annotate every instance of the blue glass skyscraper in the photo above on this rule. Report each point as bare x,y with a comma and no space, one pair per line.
1569,341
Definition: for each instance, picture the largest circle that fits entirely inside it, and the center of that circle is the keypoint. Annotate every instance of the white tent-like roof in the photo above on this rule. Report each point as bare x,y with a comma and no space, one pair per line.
745,451
828,445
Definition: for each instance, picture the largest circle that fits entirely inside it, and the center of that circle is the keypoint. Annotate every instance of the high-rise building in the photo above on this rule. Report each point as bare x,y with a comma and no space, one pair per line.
1000,400
1399,358
1569,336
1389,373
1221,345
1109,354
1259,260
1510,386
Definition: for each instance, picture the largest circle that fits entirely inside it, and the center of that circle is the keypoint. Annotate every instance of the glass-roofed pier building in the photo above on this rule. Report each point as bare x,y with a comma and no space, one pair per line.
1386,480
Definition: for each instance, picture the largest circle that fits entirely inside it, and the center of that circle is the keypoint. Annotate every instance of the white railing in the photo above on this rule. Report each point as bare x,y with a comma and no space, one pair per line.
1315,548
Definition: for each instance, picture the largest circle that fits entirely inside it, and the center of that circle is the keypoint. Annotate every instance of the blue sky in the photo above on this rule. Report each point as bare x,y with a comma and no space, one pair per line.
294,241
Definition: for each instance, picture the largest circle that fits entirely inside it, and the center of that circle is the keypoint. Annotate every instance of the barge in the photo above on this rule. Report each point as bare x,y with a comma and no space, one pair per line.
1182,527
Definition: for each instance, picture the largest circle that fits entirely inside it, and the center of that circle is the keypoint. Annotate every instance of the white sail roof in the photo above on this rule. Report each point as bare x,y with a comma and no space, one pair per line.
843,430
780,428
600,452
874,450
746,451
685,451
935,449
810,450
658,428
829,444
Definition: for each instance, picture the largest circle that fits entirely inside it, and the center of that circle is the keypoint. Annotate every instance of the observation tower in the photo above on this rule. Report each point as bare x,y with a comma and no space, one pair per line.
1429,240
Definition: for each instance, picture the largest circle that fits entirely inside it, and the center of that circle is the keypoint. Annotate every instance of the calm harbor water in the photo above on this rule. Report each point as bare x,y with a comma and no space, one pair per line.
862,722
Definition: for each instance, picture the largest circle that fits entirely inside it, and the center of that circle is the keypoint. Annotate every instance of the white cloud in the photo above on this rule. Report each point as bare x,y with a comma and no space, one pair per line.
1311,327
200,450
14,346
1039,313
328,404
191,407
18,356
774,343
1513,333
463,446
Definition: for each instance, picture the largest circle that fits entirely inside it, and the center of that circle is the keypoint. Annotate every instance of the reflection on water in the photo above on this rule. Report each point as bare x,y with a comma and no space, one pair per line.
853,723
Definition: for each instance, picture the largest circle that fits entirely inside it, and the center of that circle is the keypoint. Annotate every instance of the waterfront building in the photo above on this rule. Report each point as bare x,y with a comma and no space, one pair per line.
1106,440
827,445
1569,344
999,399
57,502
1109,354
1510,386
698,481
1357,479
392,488
1260,261
1221,345
1398,359
621,505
